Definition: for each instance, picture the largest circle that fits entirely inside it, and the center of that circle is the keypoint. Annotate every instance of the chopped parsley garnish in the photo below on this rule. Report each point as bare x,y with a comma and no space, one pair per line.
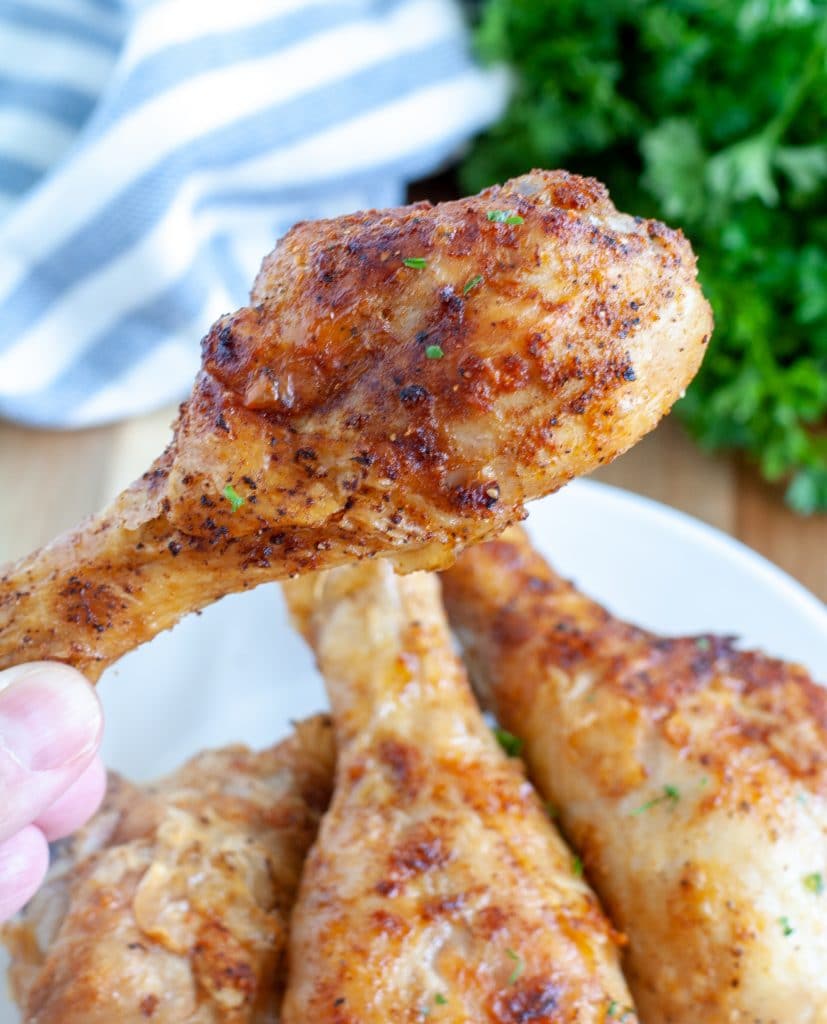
577,866
434,352
615,1010
510,743
814,882
416,262
519,965
472,283
234,498
440,999
786,927
670,793
552,811
504,217
703,643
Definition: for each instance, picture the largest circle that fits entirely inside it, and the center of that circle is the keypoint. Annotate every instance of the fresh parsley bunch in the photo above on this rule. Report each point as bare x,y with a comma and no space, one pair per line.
711,115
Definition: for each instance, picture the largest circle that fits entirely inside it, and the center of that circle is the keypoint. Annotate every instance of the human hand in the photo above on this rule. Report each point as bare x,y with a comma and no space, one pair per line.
51,778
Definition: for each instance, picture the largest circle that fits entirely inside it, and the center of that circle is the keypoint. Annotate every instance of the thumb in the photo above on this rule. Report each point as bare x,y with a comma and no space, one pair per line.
50,728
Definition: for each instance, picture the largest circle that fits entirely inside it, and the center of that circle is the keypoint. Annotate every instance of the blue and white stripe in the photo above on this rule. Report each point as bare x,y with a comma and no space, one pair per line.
150,155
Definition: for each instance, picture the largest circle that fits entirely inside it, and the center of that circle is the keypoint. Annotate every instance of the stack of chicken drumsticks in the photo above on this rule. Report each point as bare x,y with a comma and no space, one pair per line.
648,839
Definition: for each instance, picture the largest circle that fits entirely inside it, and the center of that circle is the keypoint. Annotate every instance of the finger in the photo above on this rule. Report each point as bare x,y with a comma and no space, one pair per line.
23,862
77,805
50,728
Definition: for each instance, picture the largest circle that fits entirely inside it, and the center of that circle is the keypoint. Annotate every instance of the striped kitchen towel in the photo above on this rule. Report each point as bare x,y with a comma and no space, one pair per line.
151,152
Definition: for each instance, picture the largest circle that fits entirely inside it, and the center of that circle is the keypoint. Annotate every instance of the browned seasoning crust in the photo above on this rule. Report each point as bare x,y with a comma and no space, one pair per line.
171,905
325,406
437,887
690,775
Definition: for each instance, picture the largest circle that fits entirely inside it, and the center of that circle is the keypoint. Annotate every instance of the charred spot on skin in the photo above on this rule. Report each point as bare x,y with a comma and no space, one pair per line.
89,604
403,761
491,920
421,850
149,1004
482,496
575,193
444,907
414,394
537,585
174,548
389,924
627,326
225,351
534,999
420,448
306,458
222,424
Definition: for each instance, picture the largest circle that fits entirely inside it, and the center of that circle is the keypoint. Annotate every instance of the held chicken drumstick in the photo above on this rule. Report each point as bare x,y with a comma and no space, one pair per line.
437,887
690,776
171,905
402,382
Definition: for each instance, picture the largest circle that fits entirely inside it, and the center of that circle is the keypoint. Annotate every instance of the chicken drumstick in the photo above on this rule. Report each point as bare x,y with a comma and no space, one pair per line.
691,776
171,905
437,887
402,382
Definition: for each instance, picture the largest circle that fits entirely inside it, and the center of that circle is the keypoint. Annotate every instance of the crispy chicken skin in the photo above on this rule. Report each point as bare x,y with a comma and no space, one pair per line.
171,906
690,776
361,405
437,887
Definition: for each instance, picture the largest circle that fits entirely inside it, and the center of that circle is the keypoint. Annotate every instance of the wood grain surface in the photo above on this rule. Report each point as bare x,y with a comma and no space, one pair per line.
51,480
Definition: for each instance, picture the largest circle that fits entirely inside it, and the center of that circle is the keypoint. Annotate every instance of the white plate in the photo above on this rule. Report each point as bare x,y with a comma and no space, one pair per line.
239,673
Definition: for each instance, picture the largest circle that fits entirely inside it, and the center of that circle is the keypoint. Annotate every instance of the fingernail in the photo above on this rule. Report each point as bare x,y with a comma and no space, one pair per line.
49,716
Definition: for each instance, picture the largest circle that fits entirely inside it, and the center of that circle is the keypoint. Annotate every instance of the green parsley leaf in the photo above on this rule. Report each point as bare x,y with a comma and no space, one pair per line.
472,283
786,928
577,866
670,794
434,352
234,498
814,882
552,811
504,217
519,966
612,1008
510,743
440,999
416,262
703,643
